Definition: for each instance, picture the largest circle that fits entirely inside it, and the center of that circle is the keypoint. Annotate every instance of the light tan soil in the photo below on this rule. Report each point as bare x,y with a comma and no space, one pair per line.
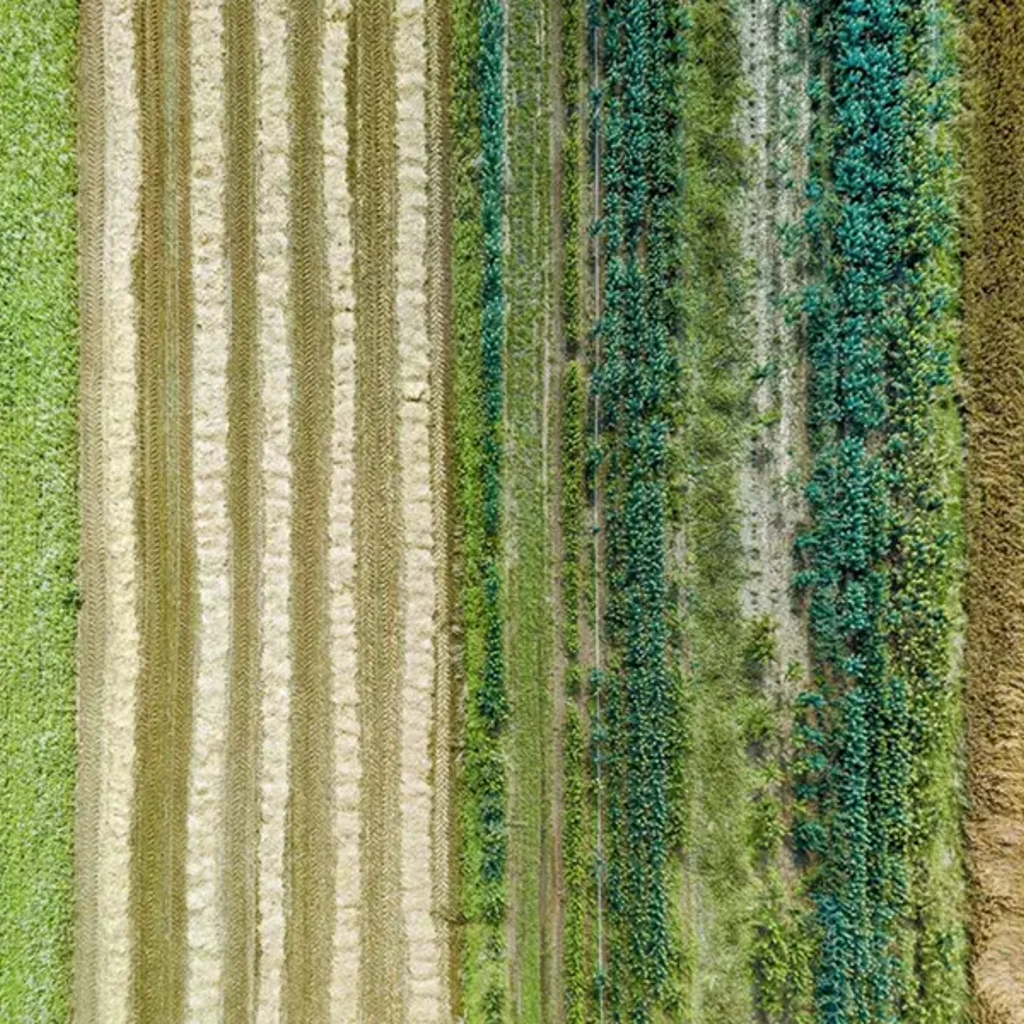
444,862
110,638
204,866
273,291
345,971
773,475
423,980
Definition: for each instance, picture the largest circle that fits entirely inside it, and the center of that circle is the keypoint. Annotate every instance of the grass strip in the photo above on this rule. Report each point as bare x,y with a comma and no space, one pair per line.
716,359
526,533
38,511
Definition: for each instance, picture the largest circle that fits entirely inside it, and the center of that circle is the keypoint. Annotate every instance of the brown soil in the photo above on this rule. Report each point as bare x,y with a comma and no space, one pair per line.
163,514
240,891
309,845
372,173
994,354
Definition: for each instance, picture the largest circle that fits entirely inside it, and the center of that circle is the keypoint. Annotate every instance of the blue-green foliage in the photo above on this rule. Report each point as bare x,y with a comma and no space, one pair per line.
637,380
877,222
478,330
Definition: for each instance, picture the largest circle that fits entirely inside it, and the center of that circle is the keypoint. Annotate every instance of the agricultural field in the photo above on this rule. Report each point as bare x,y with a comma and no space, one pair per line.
511,512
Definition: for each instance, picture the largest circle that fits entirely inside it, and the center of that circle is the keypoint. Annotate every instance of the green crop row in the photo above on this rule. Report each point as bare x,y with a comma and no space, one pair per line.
38,506
571,84
637,382
878,552
478,338
579,953
579,962
922,450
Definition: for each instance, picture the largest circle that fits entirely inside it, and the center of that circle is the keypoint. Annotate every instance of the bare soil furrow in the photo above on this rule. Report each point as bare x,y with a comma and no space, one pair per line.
309,844
240,890
204,867
994,352
163,513
275,366
345,967
372,112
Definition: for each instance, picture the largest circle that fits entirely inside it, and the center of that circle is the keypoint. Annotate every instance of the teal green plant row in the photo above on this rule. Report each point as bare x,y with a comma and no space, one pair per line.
637,382
478,338
879,720
38,512
922,456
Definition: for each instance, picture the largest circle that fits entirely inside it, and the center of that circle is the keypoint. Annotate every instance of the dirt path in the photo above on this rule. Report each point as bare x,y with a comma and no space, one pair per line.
994,314
424,966
345,978
204,866
110,651
274,295
775,126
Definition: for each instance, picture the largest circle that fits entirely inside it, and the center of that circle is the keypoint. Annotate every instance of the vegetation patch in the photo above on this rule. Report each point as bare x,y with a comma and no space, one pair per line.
637,381
478,128
38,505
878,728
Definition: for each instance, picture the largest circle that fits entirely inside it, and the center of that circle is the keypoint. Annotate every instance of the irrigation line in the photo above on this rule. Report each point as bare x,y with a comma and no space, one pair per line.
596,521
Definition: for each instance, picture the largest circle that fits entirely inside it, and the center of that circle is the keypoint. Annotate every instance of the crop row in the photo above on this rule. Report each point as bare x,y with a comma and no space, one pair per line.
577,840
478,339
877,555
637,381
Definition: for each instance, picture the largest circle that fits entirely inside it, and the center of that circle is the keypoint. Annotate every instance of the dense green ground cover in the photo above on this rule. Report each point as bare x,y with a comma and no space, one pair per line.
38,514
529,477
579,954
716,372
878,727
